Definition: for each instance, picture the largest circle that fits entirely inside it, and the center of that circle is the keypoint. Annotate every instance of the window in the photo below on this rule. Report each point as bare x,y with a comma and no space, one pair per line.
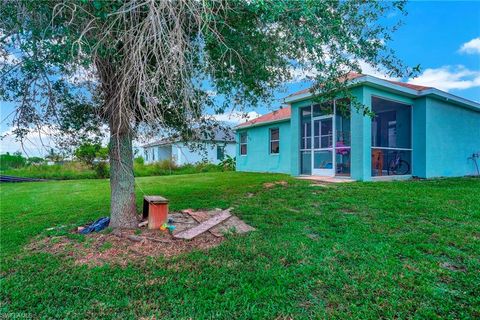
146,154
391,138
220,152
243,143
275,141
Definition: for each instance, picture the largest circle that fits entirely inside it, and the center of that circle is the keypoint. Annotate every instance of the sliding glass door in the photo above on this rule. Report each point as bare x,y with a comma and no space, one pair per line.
325,140
323,146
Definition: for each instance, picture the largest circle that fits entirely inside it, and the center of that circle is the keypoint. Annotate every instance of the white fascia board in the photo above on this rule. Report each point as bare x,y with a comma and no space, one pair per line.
452,98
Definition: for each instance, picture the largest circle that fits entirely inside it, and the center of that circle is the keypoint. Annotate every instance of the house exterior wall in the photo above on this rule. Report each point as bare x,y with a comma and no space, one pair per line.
182,154
158,153
258,158
452,136
443,137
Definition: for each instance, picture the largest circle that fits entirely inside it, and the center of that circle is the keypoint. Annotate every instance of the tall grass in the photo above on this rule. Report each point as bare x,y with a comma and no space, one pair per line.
66,171
77,170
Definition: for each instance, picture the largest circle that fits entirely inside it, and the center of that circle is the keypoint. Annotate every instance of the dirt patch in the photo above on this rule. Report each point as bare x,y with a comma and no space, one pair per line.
123,247
349,211
452,267
321,185
269,185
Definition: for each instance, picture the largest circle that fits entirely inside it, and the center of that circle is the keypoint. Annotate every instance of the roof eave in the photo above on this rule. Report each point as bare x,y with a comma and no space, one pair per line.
384,84
472,105
258,124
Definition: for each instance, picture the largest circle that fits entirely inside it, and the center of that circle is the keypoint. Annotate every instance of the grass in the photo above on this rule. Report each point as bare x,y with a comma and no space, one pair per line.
77,170
361,250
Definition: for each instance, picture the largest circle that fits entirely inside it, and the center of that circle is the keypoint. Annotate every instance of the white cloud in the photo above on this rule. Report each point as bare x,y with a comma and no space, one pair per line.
372,71
471,47
236,117
448,78
302,74
8,58
299,74
36,143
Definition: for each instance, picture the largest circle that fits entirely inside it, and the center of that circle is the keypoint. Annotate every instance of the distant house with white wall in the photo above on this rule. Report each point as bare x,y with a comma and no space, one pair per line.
212,149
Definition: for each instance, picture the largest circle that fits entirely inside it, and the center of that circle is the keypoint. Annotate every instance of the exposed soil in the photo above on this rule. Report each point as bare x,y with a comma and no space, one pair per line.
453,267
119,248
349,211
124,246
268,185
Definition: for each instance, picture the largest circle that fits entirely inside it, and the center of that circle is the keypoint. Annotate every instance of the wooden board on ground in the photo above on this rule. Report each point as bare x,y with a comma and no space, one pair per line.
181,221
233,224
201,216
204,226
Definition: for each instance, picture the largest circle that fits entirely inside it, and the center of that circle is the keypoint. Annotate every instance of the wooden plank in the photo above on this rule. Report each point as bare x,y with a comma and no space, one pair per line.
201,216
204,226
234,224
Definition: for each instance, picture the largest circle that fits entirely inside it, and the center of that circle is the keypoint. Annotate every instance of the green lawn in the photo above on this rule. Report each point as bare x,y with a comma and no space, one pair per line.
360,250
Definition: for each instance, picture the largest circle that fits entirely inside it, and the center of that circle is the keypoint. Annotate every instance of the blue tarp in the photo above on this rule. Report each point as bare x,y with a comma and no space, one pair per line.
98,225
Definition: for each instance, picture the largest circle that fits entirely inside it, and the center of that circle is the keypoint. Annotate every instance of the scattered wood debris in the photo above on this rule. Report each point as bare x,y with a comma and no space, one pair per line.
204,226
230,225
195,230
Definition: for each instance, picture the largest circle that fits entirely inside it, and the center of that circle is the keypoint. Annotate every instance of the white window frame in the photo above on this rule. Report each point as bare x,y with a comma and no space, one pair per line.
243,143
271,140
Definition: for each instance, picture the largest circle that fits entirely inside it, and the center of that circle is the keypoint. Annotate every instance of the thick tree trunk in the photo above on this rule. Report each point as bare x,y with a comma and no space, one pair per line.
123,212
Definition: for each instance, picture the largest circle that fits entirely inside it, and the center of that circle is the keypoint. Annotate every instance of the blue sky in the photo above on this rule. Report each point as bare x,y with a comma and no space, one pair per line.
433,35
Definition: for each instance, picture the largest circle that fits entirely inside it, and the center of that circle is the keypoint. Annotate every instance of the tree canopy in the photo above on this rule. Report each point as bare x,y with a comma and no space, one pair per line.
149,65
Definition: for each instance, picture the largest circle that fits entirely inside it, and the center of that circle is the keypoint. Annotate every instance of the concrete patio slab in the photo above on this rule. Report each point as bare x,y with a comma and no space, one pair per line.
326,179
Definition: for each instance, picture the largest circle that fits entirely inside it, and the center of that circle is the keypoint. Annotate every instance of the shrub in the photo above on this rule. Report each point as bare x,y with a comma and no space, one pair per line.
89,152
139,161
166,165
8,161
102,170
228,164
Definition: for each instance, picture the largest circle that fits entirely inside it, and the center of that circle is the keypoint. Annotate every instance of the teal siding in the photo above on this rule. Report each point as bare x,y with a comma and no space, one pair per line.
361,137
452,136
419,138
444,136
258,158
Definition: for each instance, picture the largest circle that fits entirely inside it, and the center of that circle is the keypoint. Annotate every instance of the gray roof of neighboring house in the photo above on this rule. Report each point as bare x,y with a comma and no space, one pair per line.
218,135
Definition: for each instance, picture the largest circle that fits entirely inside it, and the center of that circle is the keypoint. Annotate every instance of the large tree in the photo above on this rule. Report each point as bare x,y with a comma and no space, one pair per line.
150,65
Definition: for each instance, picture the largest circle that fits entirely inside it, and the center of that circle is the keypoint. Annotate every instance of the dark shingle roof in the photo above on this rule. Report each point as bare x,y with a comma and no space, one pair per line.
217,135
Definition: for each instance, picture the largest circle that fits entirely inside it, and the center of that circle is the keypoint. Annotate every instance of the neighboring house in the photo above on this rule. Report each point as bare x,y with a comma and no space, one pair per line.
417,131
214,149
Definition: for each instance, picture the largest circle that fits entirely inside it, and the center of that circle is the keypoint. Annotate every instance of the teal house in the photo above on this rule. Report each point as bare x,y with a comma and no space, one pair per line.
416,131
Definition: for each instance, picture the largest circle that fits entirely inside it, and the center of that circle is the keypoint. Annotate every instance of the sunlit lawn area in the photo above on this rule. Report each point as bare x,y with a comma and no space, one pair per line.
362,250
